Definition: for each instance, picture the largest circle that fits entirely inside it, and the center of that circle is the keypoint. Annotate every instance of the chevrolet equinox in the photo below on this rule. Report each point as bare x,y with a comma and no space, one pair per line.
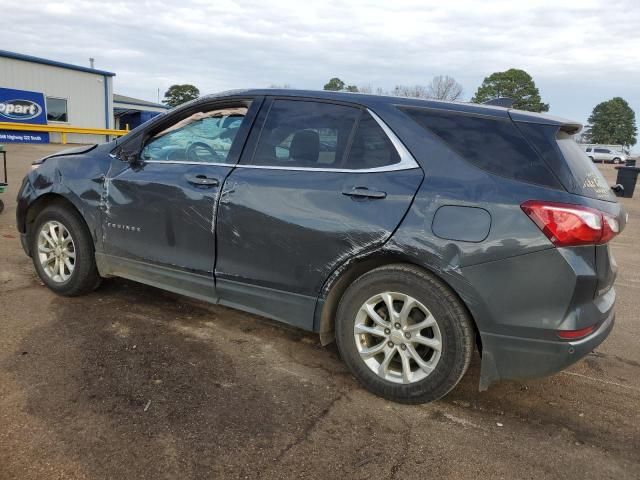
408,231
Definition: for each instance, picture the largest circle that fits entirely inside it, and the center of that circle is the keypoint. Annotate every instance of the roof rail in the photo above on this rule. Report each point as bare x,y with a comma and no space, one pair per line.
505,102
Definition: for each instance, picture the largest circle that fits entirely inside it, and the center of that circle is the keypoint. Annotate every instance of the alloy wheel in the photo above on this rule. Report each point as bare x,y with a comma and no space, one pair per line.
397,337
56,251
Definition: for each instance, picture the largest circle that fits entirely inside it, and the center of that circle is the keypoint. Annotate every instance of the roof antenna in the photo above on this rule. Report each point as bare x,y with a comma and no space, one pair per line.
91,60
500,102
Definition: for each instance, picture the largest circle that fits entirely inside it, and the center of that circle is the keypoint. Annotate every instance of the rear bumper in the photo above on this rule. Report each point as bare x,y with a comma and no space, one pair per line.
506,357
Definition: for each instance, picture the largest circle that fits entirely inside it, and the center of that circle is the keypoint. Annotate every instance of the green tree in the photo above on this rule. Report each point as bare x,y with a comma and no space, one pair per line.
613,122
335,84
515,84
179,94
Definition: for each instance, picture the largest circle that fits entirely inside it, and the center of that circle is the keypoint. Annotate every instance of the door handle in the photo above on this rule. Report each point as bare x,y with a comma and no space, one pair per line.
202,180
364,192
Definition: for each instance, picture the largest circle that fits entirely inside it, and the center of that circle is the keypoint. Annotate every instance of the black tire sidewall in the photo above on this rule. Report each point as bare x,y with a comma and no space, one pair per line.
450,316
84,275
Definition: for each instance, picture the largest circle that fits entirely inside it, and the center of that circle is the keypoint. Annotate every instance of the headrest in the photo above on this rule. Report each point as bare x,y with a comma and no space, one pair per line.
305,146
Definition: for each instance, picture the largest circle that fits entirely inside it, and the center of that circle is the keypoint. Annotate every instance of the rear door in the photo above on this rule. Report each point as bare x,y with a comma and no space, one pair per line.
318,184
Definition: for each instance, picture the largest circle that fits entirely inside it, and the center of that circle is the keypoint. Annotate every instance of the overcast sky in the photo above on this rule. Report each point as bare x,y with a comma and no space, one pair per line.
578,52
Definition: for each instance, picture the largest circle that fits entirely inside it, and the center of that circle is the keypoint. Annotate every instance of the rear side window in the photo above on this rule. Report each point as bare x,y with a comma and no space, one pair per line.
308,134
305,134
495,145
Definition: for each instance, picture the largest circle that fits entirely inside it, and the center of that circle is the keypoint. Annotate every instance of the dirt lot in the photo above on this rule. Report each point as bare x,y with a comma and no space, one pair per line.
132,382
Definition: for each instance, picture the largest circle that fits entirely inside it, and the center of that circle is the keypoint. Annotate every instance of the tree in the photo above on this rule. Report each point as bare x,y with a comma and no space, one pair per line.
414,91
444,87
179,94
515,84
369,90
613,122
335,84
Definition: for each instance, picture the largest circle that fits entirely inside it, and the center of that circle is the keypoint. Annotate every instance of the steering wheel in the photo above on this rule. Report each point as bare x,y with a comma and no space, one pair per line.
192,153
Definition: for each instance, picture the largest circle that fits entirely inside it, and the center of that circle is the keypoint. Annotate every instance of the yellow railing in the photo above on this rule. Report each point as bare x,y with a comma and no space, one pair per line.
61,129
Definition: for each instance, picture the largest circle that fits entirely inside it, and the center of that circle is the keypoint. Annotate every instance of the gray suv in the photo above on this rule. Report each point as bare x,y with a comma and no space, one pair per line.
410,232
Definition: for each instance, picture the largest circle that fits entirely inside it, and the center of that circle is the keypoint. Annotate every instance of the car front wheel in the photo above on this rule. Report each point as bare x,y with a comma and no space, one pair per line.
62,251
404,334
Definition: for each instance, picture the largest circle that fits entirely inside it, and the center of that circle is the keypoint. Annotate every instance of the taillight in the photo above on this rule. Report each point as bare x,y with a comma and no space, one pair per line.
568,225
576,334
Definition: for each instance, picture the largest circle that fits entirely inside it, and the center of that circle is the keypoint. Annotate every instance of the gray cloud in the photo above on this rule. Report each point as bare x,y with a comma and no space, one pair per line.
579,52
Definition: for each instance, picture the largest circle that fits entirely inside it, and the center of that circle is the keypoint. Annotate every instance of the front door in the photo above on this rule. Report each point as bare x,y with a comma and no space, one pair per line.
318,184
159,218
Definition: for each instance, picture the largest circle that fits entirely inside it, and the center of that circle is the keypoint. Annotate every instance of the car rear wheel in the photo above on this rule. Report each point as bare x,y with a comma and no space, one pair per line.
404,334
617,161
62,252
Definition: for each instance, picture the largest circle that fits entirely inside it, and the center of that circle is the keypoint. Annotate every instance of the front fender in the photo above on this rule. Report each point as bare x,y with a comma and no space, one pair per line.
78,179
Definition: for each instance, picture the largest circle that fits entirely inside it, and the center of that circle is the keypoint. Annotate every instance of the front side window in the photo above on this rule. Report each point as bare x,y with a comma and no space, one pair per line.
204,137
57,109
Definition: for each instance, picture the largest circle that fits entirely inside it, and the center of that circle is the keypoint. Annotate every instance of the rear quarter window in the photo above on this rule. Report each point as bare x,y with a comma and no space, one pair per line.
492,144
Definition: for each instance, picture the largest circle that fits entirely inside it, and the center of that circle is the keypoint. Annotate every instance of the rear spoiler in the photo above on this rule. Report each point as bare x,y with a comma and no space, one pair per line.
563,124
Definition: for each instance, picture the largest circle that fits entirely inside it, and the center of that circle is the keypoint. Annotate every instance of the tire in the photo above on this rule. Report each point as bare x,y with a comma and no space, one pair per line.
1,206
451,328
83,277
617,161
593,159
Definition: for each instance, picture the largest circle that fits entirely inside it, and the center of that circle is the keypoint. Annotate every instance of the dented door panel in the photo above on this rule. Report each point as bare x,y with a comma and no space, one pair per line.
155,214
288,230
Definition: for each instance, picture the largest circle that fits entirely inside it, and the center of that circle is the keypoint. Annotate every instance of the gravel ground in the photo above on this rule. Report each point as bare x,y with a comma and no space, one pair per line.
133,382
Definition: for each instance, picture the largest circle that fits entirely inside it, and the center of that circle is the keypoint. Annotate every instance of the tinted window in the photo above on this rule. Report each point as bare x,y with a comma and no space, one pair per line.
589,180
202,137
602,150
371,148
57,109
492,144
305,134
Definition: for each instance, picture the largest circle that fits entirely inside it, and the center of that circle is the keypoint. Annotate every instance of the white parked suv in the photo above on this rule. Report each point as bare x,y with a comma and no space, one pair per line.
605,155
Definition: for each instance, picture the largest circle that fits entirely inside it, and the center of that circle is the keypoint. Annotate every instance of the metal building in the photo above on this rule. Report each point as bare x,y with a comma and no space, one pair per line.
73,95
42,92
130,112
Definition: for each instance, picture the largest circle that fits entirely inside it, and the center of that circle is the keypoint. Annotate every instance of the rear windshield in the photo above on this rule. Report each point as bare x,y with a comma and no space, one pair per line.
589,180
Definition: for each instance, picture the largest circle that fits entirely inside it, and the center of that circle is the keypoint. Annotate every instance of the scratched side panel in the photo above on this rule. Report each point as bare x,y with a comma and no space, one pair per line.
77,177
288,230
155,215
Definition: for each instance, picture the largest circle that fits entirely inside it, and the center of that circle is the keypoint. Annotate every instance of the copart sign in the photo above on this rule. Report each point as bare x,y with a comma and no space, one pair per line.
22,106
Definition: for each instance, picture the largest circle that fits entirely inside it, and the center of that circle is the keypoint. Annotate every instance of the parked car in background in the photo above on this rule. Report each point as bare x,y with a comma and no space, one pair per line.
605,155
409,231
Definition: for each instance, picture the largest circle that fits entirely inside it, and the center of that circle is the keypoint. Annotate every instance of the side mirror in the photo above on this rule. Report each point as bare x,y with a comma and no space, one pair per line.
128,156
